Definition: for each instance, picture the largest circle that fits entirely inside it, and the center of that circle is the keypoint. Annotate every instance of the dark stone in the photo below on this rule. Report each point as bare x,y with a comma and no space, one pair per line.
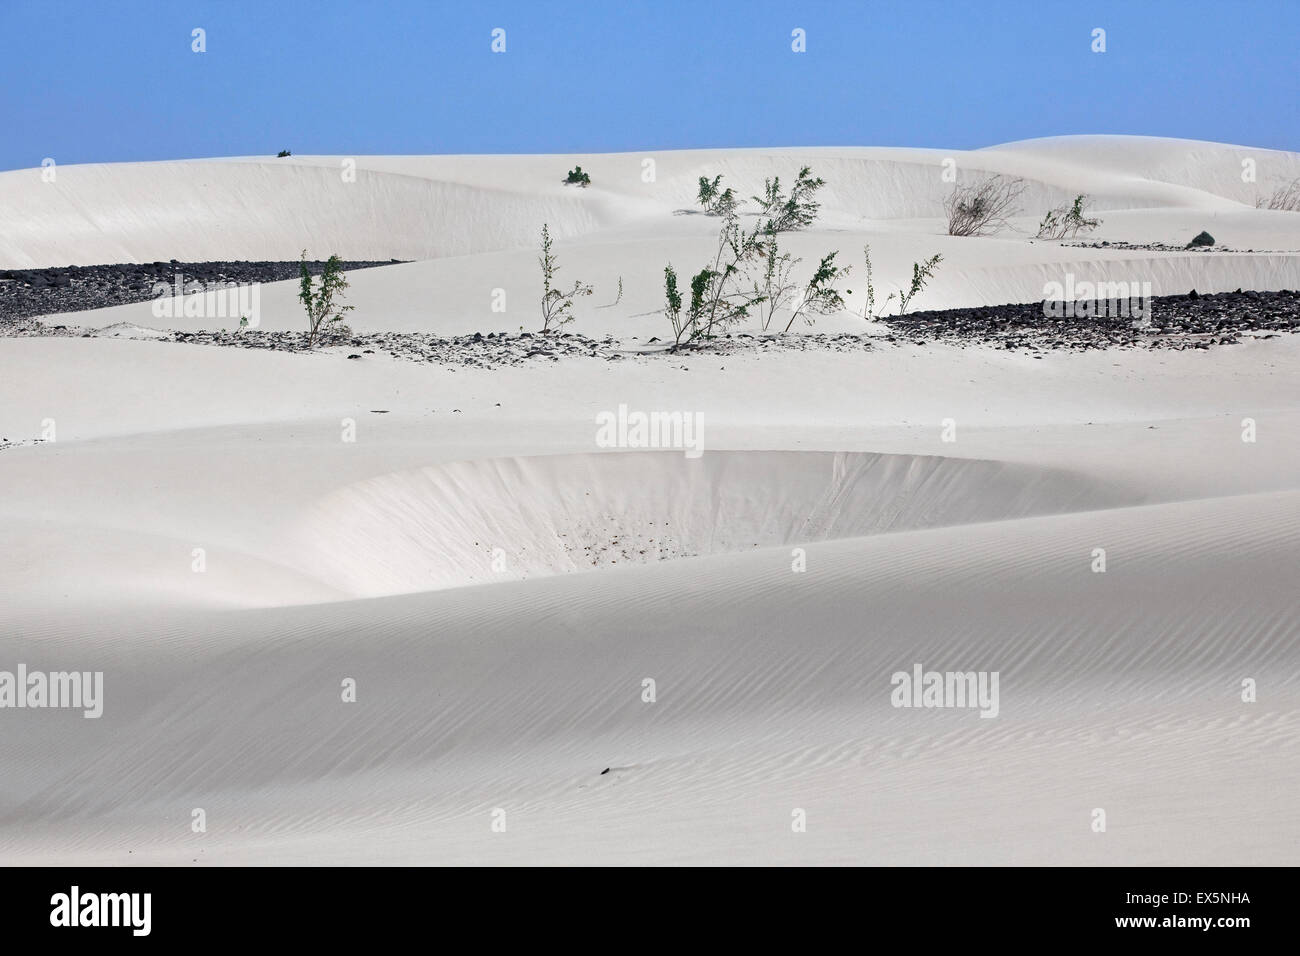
36,292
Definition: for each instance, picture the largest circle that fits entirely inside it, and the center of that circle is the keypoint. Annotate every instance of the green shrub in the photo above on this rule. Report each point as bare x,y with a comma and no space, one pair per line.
324,316
715,200
1066,222
784,213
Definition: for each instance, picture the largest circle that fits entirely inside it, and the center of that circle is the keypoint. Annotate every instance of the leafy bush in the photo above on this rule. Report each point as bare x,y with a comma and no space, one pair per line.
726,292
820,297
775,288
283,153
577,177
716,200
795,211
324,317
719,299
673,306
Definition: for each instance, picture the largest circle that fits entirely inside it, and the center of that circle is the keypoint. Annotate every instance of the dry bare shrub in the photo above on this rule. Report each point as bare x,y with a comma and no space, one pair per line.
1285,198
984,206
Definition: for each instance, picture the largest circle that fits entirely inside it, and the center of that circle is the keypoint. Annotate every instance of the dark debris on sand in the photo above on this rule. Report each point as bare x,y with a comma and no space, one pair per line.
1189,321
1175,322
27,293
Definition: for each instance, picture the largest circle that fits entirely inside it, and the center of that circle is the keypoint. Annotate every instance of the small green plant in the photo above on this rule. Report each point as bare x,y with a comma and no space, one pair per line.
283,153
922,272
718,298
870,313
820,297
557,305
716,200
577,177
729,290
702,284
1066,222
775,286
617,298
799,209
324,315
673,303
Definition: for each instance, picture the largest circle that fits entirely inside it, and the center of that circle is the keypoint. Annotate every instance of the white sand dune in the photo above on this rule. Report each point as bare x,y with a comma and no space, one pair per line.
473,224
827,538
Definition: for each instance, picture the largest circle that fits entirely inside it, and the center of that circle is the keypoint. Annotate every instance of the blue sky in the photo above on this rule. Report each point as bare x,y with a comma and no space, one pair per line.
105,82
